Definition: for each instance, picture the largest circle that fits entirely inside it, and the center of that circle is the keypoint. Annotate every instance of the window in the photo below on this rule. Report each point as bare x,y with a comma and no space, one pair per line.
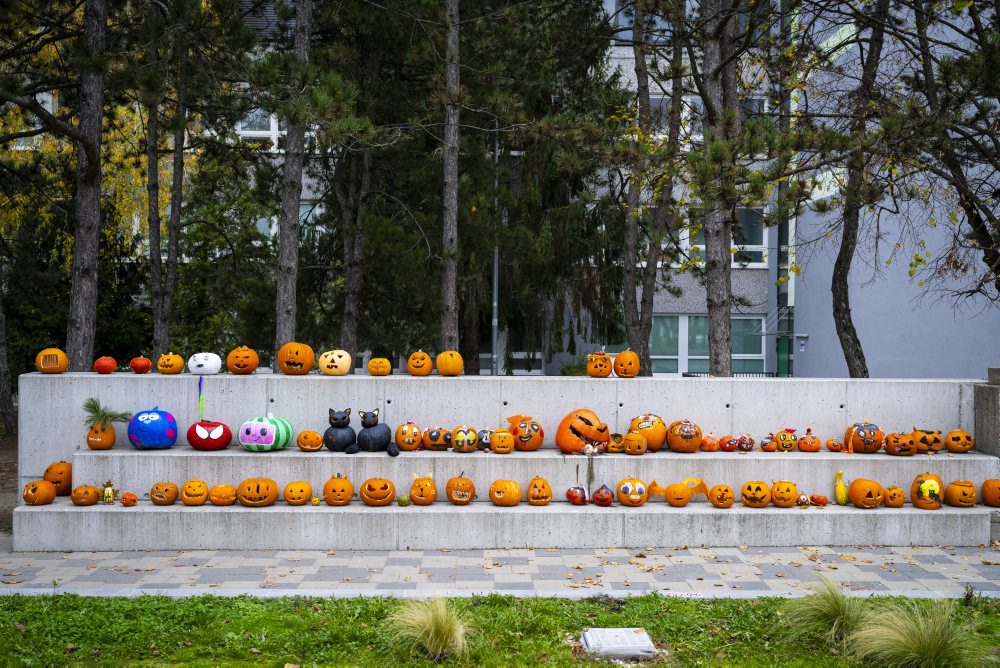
260,124
752,107
658,27
749,238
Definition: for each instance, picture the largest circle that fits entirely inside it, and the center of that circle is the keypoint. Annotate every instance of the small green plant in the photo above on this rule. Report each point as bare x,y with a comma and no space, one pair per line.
827,612
907,633
96,412
433,625
575,368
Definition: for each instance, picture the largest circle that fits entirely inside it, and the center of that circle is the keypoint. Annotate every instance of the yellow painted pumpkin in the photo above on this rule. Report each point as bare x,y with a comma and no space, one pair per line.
927,491
464,439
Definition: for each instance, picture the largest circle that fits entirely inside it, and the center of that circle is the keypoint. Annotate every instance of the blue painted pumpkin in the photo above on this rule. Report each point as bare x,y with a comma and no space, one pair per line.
152,429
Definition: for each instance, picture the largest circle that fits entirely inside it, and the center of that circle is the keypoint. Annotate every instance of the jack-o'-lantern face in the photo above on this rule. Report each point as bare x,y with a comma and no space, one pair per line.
786,441
423,492
866,494
784,493
222,495
583,431
338,490
297,493
683,436
528,433
616,443
460,490
419,364
928,442
722,496
961,494
863,437
408,436
60,474
379,366
335,363
599,364
505,493
170,364
894,497
464,439
257,492
635,443
901,445
309,441
728,443
39,493
632,492
603,496
437,438
194,493
755,494
959,441
677,495
626,364
378,492
242,361
296,359
502,441
539,492
85,495
163,493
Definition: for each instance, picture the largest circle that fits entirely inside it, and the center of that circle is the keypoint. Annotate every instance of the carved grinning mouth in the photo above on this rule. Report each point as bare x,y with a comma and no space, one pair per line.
586,439
462,495
293,365
754,499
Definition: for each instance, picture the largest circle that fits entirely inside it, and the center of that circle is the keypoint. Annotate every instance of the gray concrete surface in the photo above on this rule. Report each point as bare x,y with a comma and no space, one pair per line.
987,409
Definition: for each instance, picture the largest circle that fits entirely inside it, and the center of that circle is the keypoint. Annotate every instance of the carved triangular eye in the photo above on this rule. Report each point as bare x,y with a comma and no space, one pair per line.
201,431
217,432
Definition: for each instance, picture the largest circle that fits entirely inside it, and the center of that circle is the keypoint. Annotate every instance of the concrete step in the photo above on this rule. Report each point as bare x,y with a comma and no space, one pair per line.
62,526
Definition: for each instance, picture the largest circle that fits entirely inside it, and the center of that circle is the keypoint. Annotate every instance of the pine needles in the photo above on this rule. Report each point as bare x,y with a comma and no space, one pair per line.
96,412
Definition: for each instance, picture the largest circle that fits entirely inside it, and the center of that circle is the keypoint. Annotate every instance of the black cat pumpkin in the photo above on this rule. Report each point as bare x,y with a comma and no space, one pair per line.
340,436
375,436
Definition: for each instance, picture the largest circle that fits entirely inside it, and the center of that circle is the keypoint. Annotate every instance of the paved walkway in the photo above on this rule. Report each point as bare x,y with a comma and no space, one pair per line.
695,572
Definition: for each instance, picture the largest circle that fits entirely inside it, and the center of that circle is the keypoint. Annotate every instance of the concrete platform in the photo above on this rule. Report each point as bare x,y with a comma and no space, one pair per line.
62,526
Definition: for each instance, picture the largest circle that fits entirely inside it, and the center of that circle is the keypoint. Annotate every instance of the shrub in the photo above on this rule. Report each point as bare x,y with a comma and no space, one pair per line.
433,625
827,612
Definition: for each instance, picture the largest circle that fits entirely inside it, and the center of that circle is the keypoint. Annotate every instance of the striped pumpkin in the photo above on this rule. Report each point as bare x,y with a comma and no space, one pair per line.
263,434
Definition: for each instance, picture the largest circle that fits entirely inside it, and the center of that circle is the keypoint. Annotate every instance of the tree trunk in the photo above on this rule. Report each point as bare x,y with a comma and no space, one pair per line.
352,207
82,322
153,221
161,329
7,412
449,250
291,194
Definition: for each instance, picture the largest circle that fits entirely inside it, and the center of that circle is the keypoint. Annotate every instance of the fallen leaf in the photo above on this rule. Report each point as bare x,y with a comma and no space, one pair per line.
20,627
70,647
11,582
254,650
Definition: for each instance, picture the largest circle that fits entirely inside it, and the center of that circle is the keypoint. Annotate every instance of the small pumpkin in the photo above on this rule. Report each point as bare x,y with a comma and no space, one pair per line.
105,364
635,443
721,496
959,441
786,440
895,497
39,493
419,364
599,364
833,445
769,443
242,361
140,365
403,501
809,442
652,428
784,493
578,495
295,359
528,433
379,366
204,364
309,441
865,494
297,493
683,436
755,494
338,490
51,360
222,495
194,493
408,436
616,443
632,492
335,363
961,494
678,495
900,445
709,443
129,499
257,492
505,493
170,364
484,436
85,495
863,437
60,474
423,491
460,490
818,500
928,442
603,496
209,436
991,492
164,494
437,438
927,491
464,439
728,443
627,364
450,363
581,431
539,492
745,443
377,492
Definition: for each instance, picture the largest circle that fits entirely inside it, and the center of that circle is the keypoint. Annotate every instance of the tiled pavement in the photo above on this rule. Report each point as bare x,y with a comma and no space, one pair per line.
695,572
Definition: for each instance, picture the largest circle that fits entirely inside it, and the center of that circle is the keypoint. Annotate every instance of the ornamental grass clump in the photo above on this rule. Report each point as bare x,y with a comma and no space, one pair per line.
908,633
433,625
827,612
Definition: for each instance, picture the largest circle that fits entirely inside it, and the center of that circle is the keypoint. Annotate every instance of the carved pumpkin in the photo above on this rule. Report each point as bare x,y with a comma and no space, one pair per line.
928,442
464,439
863,437
502,442
709,443
505,493
257,492
85,495
39,493
309,441
616,444
338,490
419,364
683,436
784,493
140,365
603,497
204,364
209,436
408,436
755,494
449,363
786,440
652,428
51,360
101,436
894,497
129,499
437,438
865,494
900,445
194,493
60,474
163,494
242,361
297,493
809,442
721,496
991,492
265,433
295,359
769,443
528,434
378,492
152,429
728,443
961,494
335,363
959,441
745,443
460,490
379,366
632,492
170,364
423,492
833,445
927,491
627,364
818,500
539,492
105,364
599,364
635,443
582,431
222,495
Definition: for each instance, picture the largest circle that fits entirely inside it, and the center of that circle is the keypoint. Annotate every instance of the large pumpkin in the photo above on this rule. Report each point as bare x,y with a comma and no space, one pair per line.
297,493
296,359
85,495
652,428
309,441
863,437
900,445
257,492
194,493
632,492
335,363
208,436
928,442
683,436
379,366
959,441
464,439
437,438
242,361
170,364
991,492
755,494
51,360
338,490
599,364
627,364
378,492
460,490
39,493
961,494
408,436
152,429
450,363
865,494
505,493
539,492
423,491
222,495
419,364
582,431
895,497
265,433
927,491
60,474
784,493
163,494
722,496
809,442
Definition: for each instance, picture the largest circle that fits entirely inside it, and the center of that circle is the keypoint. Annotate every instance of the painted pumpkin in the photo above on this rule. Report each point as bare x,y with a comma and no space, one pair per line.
449,363
863,437
204,364
833,445
599,364
309,441
222,495
51,360
959,441
378,492
784,493
928,442
242,361
616,443
709,443
257,492
803,501
140,365
60,474
170,364
728,443
865,494
745,443
528,433
265,433
297,493
419,364
105,364
379,366
683,436
335,363
338,490
152,429
194,493
578,495
786,440
652,428
818,500
101,436
632,492
129,499
505,493
539,492
961,494
769,443
927,491
39,493
755,494
437,438
900,445
408,436
603,496
635,443
295,359
484,436
85,495
423,491
464,439
722,496
809,442
895,497
163,493
460,490
991,492
582,431
209,436
627,364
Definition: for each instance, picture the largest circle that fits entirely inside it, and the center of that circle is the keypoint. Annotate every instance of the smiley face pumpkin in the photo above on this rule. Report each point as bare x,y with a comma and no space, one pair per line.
309,441
408,436
528,433
194,493
297,493
784,493
626,364
378,492
632,492
338,490
603,497
419,364
959,441
222,495
539,492
721,496
961,494
755,494
242,361
257,492
863,437
60,474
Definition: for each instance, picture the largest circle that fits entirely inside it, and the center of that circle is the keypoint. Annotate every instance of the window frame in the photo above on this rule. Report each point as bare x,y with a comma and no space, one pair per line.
691,248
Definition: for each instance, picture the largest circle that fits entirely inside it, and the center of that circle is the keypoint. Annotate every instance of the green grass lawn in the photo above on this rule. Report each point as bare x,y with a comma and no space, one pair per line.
211,631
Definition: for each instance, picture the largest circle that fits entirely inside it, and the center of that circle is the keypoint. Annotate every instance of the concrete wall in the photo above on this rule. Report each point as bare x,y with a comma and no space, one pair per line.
987,407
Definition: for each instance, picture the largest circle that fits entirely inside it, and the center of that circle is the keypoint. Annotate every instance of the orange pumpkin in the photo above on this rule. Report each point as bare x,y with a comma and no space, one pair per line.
170,364
683,436
616,443
460,490
769,443
864,437
961,494
309,441
865,494
755,494
991,492
632,492
583,431
635,443
379,366
85,495
450,363
599,364
242,361
377,492
257,492
927,491
652,428
809,442
959,441
728,443
60,474
437,438
894,497
295,359
928,442
464,439
419,364
709,443
163,494
833,445
900,445
297,493
105,364
129,499
502,442
338,490
194,493
722,496
101,436
627,364
539,492
222,495
51,360
408,436
528,433
784,494
786,440
678,495
423,492
39,493
505,493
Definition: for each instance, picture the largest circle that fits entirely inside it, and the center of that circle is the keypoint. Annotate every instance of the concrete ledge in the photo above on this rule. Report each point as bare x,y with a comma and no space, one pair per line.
62,526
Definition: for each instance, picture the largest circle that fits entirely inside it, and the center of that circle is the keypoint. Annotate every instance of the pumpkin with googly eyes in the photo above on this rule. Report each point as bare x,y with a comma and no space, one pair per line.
528,433
208,436
632,492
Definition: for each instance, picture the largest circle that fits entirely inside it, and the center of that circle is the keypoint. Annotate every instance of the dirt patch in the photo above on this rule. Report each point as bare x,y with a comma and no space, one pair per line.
9,489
